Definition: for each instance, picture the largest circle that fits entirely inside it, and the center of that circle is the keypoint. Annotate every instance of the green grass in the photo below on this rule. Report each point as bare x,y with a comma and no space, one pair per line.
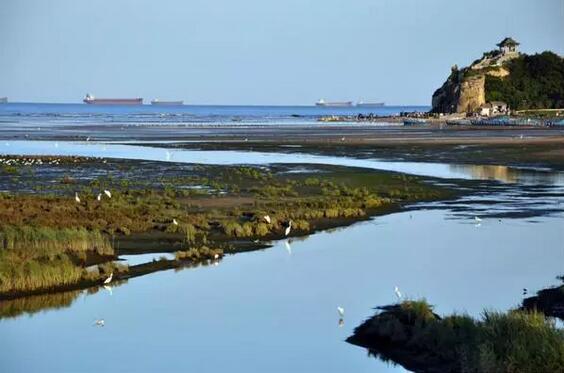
515,341
34,258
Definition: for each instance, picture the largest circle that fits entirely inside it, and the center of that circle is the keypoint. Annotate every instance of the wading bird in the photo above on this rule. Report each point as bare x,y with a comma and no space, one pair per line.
288,228
109,279
174,222
341,311
398,293
477,219
76,197
99,198
267,219
107,192
216,256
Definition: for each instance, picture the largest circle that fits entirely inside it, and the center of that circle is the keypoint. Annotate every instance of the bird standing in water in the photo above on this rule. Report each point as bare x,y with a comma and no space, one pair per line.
109,279
288,228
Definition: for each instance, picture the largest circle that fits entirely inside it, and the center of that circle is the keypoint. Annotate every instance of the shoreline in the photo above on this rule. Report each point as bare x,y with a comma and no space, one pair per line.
226,218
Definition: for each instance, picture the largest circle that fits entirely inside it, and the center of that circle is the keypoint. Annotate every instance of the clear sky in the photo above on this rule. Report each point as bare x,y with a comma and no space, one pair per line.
257,51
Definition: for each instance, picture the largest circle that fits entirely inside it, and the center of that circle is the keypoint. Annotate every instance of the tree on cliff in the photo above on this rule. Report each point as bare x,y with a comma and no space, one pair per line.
534,82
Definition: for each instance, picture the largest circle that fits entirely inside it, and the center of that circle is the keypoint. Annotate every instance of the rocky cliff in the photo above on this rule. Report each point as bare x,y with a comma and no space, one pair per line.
465,89
523,81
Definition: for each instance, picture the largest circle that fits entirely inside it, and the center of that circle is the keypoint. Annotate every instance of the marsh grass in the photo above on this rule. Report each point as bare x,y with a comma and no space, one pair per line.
34,258
515,341
198,254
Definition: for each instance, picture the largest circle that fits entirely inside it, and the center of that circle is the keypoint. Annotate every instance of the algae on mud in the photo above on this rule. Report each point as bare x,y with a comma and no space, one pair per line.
168,207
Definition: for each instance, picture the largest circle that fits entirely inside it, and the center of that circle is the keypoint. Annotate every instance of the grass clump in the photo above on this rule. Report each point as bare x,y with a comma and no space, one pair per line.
33,258
413,335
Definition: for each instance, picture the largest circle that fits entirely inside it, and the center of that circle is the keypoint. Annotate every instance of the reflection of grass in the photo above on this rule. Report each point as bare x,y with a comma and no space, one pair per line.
516,341
36,303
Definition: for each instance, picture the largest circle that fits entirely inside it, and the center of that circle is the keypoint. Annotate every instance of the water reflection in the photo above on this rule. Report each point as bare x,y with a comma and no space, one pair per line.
13,308
36,303
232,157
509,174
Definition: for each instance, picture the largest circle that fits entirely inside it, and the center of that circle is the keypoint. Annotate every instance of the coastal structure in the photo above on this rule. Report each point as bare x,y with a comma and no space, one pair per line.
90,99
508,46
493,108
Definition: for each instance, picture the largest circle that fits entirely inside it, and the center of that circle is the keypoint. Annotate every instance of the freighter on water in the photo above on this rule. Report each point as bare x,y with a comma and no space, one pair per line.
167,103
89,99
370,104
322,102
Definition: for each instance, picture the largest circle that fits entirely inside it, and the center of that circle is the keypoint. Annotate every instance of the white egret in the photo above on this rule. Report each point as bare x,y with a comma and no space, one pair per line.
288,228
109,279
476,218
99,197
342,139
341,311
107,192
398,293
174,222
76,197
267,219
216,256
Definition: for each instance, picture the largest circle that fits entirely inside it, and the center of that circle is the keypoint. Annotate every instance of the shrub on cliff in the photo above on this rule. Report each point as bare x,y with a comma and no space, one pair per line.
534,82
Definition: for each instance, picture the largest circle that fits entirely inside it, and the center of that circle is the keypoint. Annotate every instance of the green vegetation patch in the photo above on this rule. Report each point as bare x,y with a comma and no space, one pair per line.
411,334
535,82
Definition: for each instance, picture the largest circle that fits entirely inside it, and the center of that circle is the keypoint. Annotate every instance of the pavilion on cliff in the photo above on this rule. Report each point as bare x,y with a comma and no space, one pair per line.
508,45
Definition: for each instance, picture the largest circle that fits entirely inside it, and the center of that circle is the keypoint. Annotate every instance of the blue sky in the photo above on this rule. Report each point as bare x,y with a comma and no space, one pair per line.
257,51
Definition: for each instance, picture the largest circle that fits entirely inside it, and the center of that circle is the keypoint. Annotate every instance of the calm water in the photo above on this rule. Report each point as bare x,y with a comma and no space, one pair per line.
33,114
275,310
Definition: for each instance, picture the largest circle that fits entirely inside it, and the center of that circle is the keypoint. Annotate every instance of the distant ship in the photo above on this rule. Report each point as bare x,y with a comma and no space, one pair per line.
370,104
169,103
322,102
3,100
89,99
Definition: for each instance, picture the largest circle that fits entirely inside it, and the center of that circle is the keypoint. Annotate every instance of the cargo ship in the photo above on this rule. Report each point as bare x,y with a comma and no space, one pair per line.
89,99
3,100
324,103
370,104
168,103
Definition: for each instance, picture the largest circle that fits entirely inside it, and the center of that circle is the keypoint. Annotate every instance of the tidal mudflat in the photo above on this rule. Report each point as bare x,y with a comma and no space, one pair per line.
279,303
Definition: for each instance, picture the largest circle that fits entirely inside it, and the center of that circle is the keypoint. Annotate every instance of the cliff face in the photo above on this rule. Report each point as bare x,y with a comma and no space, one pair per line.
460,93
465,90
